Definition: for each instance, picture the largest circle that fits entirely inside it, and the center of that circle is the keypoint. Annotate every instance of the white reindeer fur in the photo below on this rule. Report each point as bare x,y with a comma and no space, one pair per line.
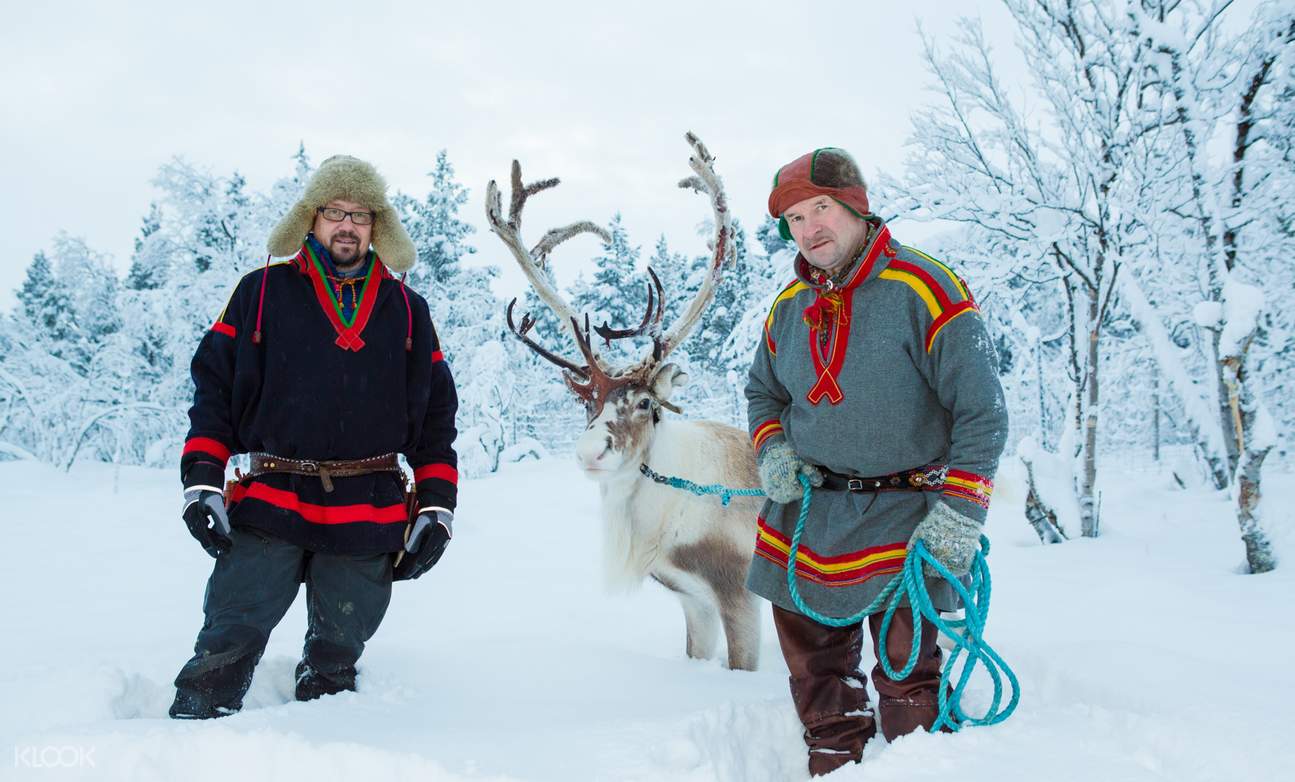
643,521
642,518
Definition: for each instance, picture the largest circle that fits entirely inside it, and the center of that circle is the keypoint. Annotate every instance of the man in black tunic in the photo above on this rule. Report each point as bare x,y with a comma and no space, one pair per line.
323,368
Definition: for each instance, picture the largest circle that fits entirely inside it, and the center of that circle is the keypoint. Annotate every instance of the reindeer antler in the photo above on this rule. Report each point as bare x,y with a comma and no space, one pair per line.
706,182
651,316
533,261
594,380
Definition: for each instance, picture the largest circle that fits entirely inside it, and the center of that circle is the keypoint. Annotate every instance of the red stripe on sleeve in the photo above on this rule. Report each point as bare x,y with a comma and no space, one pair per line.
208,446
437,356
928,280
223,328
442,471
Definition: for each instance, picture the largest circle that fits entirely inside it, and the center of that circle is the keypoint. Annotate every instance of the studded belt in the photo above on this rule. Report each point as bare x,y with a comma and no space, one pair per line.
928,478
325,470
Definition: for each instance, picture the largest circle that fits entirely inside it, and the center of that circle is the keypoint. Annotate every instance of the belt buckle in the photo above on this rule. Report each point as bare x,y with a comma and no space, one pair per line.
854,484
310,466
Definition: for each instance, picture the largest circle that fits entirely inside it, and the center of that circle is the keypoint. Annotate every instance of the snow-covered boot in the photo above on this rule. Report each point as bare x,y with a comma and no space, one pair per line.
827,688
312,684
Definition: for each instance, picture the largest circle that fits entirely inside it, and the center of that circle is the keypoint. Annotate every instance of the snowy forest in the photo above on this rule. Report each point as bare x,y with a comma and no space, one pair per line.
1125,219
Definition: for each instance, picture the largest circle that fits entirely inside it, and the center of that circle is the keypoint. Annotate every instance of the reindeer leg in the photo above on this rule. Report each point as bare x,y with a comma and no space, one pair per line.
721,570
700,616
739,609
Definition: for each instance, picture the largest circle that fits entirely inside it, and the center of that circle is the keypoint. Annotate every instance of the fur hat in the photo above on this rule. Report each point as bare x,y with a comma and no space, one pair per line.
345,178
828,171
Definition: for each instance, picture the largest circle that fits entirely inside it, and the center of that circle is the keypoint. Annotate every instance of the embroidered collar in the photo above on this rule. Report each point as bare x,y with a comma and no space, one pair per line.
864,268
348,329
828,317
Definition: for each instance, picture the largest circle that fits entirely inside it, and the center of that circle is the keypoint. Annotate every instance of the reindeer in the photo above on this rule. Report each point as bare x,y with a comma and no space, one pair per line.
693,546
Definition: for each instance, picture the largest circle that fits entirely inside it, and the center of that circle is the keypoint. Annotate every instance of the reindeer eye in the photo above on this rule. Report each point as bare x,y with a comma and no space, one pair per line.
644,404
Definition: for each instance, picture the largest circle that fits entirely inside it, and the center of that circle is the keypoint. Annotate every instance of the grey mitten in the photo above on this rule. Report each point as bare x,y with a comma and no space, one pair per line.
951,537
780,469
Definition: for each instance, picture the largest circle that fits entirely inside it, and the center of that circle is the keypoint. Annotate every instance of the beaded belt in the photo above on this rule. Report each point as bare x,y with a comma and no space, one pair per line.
928,478
326,470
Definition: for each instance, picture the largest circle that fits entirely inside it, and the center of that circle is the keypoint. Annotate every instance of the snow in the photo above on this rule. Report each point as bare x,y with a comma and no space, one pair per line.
1193,395
1207,314
1143,655
1243,303
1054,483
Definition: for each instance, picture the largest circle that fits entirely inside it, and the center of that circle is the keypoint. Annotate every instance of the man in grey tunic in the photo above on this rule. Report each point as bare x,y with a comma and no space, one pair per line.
876,380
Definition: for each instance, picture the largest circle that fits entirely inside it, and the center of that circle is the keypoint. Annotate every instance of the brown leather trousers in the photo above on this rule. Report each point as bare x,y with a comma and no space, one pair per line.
830,692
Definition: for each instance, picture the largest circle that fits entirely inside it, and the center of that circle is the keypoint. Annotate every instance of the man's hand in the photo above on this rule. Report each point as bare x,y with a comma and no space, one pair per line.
951,537
204,514
780,469
430,535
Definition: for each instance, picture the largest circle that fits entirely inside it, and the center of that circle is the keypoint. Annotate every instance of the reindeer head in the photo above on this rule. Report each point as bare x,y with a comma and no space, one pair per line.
622,406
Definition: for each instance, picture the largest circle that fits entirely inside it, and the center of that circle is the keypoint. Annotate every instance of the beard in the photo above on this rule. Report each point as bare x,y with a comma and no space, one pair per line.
344,254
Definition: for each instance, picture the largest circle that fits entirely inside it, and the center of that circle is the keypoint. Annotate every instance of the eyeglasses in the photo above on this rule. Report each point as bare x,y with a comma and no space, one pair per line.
334,215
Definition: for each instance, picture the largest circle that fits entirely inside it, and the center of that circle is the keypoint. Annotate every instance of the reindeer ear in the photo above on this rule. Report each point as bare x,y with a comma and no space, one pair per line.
666,379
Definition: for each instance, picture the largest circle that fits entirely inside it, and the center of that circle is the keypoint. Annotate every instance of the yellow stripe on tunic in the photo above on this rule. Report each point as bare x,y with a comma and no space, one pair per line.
917,285
835,567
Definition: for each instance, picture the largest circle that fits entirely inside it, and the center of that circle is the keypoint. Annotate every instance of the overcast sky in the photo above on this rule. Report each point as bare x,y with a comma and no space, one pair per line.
99,95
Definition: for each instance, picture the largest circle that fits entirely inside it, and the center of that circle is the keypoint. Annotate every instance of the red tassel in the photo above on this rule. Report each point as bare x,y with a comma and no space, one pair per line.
409,334
825,306
260,306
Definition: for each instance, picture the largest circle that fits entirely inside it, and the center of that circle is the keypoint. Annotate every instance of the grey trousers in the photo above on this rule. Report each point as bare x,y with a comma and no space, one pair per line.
250,589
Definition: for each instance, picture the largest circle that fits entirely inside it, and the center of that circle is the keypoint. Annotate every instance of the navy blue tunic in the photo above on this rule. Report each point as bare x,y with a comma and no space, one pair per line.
318,387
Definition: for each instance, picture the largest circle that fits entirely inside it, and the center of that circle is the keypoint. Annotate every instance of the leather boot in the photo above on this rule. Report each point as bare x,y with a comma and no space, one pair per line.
829,692
912,703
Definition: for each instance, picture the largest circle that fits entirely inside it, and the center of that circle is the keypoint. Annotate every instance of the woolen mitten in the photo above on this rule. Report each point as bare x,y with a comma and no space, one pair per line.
780,469
951,537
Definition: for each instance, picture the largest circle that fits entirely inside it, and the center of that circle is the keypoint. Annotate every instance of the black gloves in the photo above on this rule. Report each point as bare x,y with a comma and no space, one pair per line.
204,514
427,541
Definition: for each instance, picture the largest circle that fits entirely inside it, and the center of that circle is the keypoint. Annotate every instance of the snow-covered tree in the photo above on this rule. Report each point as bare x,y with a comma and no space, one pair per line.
1104,197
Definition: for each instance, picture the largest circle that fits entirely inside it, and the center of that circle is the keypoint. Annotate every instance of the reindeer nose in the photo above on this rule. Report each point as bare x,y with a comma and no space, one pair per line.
607,448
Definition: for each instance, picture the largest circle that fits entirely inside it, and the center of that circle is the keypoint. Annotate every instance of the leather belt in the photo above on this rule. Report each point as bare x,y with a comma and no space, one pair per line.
326,470
928,478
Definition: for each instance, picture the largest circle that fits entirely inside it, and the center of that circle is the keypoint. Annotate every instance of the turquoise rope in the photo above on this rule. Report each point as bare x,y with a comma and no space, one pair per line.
909,586
725,493
967,634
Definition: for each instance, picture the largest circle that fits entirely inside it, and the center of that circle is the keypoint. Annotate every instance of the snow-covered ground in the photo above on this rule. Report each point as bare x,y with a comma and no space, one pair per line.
1143,655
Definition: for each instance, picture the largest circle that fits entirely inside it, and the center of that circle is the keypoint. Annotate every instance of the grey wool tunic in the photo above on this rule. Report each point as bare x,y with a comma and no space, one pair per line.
889,368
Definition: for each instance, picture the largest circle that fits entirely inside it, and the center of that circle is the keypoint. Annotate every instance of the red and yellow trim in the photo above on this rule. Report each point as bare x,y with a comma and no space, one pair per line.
787,294
961,308
321,514
955,279
443,472
764,431
969,486
828,367
942,309
224,328
207,447
832,571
